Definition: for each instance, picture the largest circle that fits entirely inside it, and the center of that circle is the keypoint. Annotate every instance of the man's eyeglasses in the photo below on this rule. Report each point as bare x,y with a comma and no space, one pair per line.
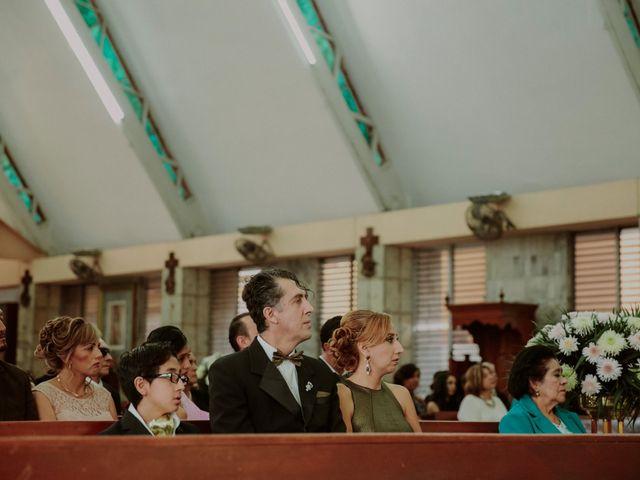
104,351
172,377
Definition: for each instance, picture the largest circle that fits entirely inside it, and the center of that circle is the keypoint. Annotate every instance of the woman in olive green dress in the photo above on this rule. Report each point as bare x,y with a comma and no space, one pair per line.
367,346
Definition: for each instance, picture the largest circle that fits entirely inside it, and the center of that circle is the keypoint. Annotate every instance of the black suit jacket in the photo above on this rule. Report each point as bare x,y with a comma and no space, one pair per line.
249,395
16,399
130,425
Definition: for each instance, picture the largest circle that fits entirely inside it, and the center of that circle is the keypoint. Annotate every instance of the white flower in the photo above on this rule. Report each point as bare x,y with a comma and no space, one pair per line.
611,342
535,340
609,369
547,328
557,332
582,323
602,317
568,345
590,385
569,315
634,340
633,323
570,374
592,352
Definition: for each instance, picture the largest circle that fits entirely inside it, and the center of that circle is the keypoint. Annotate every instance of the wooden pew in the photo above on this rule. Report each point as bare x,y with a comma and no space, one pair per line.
450,426
20,429
323,456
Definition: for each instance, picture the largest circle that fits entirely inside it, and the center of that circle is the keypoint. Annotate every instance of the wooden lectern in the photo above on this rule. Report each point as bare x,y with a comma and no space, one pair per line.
500,330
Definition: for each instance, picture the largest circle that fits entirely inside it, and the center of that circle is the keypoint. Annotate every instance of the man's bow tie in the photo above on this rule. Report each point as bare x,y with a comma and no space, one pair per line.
279,357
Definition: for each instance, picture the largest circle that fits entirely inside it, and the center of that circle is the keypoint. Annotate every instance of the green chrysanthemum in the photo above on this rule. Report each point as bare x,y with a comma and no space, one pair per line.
570,374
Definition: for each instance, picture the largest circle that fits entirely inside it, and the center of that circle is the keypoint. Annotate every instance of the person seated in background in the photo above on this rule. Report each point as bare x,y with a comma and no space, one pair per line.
193,390
366,345
326,331
444,394
16,399
150,378
242,331
408,375
182,351
502,396
106,364
69,346
480,403
538,387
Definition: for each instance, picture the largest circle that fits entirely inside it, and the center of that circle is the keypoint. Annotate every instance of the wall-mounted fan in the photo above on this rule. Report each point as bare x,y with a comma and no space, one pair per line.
485,219
254,252
88,273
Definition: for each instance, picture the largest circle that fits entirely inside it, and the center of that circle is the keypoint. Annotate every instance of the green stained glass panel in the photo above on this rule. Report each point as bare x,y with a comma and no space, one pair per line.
153,136
633,28
14,179
172,173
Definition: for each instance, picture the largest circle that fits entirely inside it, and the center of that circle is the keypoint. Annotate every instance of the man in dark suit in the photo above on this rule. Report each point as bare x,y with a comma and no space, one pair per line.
150,377
16,399
326,332
267,388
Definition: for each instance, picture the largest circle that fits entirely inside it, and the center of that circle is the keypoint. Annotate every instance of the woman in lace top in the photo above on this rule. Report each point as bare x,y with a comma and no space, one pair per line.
367,345
69,347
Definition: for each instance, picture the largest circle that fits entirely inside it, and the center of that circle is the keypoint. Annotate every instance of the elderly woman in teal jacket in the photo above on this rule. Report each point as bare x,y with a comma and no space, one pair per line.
537,385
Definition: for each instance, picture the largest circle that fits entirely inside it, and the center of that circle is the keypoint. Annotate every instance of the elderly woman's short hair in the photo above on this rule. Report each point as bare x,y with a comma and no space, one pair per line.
529,364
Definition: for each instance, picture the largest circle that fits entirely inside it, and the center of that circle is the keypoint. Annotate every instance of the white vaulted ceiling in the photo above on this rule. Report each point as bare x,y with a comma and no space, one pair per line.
468,97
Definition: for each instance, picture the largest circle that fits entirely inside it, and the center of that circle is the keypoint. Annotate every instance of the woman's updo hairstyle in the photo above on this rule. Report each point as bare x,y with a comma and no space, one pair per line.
60,336
358,326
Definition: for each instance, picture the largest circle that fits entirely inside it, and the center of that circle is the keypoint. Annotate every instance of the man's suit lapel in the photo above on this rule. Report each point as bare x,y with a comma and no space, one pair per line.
307,389
131,425
271,382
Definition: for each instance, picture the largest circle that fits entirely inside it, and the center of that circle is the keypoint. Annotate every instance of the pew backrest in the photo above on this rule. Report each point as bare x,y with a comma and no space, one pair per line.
322,456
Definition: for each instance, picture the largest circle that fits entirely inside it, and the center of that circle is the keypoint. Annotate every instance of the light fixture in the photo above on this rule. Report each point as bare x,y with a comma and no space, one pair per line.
297,32
82,54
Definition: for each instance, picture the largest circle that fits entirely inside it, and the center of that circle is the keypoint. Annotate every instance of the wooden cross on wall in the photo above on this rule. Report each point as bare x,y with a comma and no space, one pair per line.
170,282
368,242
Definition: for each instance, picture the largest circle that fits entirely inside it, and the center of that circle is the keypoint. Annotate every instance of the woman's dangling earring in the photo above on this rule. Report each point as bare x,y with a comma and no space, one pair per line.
367,365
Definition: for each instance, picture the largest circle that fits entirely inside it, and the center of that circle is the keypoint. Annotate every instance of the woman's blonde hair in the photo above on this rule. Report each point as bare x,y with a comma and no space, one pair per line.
60,336
473,379
358,326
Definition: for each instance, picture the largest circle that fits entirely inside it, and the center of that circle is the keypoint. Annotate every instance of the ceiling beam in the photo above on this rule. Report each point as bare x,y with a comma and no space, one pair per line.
27,215
163,170
622,23
359,129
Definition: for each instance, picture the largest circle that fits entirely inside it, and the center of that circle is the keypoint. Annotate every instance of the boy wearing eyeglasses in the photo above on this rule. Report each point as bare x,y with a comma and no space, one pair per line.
150,378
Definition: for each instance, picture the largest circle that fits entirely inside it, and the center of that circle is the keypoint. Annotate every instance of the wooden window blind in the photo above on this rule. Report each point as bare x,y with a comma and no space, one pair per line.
469,274
596,270
431,324
223,307
338,287
629,267
153,315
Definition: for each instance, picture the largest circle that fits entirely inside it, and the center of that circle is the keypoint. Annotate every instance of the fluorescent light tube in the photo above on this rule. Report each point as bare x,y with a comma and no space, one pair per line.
89,66
304,45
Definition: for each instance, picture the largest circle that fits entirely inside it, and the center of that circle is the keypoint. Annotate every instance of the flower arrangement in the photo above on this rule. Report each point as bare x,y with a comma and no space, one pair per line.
600,357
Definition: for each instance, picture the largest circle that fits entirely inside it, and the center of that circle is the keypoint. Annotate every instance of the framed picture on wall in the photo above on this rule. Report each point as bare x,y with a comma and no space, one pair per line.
115,324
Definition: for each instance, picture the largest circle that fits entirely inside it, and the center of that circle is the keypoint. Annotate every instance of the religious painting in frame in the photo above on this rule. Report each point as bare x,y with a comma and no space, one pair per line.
115,324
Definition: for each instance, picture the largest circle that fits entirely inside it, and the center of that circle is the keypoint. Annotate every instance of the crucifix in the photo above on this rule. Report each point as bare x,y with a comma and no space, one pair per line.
170,282
25,298
368,242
